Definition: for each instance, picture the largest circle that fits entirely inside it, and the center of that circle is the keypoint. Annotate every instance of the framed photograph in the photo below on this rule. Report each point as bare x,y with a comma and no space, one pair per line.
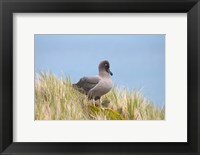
99,77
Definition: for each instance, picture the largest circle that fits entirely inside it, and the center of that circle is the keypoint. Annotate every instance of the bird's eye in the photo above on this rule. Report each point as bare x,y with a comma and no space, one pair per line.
106,64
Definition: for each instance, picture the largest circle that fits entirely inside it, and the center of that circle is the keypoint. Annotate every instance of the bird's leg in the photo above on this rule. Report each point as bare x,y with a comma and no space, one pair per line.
94,102
97,98
91,101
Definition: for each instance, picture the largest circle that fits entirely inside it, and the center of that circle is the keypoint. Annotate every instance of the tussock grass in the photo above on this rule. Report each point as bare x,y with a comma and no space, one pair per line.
56,99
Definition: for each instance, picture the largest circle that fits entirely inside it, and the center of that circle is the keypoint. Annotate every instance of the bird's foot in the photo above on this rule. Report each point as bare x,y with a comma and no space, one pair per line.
92,102
105,103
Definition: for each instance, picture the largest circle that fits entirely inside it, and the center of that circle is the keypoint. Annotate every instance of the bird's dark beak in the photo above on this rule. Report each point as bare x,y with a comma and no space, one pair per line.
109,72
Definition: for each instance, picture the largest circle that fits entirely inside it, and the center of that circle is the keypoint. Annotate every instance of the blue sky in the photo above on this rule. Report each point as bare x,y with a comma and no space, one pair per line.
137,61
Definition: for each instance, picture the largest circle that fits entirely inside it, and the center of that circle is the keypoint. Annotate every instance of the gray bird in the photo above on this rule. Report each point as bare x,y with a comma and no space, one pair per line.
96,86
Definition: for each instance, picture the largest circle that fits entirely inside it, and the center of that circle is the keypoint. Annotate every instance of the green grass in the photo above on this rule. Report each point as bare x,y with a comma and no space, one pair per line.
56,99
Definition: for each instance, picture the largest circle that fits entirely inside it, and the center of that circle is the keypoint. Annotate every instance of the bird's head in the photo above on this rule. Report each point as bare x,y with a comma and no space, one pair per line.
105,66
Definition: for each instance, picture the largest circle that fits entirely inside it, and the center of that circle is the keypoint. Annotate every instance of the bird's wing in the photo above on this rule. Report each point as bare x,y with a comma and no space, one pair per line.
87,83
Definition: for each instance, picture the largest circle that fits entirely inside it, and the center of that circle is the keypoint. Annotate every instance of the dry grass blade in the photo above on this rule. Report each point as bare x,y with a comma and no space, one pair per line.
56,99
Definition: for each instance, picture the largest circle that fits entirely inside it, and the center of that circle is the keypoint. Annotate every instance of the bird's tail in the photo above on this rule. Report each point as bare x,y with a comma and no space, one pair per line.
76,86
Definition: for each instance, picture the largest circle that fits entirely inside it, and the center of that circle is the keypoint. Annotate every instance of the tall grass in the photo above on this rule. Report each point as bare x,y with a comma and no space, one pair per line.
56,99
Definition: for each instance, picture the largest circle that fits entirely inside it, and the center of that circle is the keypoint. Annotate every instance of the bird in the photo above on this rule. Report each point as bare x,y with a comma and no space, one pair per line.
96,86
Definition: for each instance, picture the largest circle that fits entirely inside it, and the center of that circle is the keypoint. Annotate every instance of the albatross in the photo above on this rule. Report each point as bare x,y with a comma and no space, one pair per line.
96,86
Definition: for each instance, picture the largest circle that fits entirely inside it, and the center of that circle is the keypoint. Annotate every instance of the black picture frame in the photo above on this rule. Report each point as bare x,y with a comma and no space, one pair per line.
8,7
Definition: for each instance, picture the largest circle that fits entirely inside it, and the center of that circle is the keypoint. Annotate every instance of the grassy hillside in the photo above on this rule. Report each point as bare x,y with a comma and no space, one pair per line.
56,99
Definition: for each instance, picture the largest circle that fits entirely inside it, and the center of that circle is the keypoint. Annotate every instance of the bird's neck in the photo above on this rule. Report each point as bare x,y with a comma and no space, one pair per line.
104,74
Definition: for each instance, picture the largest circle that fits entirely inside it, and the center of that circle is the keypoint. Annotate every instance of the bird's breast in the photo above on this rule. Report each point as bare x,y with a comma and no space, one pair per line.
103,87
